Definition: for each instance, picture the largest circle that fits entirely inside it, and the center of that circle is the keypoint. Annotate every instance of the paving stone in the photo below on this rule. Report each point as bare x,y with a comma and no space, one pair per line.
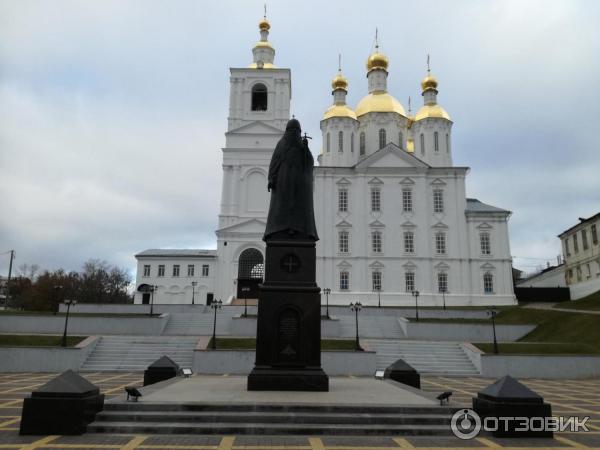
359,441
174,439
92,438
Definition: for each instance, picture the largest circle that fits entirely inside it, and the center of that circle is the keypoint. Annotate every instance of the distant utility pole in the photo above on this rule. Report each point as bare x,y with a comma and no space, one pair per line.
12,256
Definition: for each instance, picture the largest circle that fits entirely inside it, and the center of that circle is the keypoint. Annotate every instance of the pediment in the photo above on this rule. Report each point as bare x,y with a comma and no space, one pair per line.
343,181
438,182
344,265
390,156
440,226
344,224
248,226
256,127
376,265
406,181
376,224
409,265
441,266
408,224
375,180
487,266
484,226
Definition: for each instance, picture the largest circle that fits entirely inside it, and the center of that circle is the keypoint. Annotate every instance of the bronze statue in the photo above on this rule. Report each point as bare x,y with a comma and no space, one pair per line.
291,212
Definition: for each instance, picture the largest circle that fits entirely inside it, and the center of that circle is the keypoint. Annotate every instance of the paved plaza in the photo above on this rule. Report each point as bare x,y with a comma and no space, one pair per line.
568,398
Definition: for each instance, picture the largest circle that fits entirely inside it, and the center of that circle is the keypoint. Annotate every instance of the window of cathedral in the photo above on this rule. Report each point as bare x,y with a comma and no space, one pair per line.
409,242
436,143
440,243
400,140
594,235
575,243
343,199
190,270
376,280
362,144
376,241
382,138
344,281
442,282
375,199
578,273
161,270
204,270
352,143
422,138
584,239
259,97
409,281
176,270
146,270
488,283
447,143
438,201
343,238
484,241
407,201
328,142
341,142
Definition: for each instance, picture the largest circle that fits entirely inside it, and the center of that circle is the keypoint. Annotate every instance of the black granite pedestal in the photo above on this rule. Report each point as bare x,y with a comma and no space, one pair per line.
288,337
404,373
509,398
64,405
161,369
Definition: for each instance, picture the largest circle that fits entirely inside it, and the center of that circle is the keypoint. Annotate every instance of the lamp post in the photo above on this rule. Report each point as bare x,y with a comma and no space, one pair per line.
327,291
152,289
416,295
69,303
215,305
492,313
444,297
245,290
356,307
378,290
57,288
194,284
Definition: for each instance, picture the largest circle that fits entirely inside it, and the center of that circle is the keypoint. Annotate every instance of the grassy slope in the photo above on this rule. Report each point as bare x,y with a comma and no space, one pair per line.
589,303
18,340
250,344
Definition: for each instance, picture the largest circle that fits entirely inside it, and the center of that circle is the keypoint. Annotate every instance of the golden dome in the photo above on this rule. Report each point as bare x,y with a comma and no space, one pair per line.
429,82
339,82
339,111
264,25
379,102
434,111
377,61
263,44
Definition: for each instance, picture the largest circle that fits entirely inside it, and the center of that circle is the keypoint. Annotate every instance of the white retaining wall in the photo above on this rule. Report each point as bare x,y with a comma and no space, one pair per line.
241,326
584,288
439,331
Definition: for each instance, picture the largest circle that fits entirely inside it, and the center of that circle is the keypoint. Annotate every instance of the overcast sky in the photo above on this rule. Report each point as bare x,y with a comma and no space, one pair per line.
113,113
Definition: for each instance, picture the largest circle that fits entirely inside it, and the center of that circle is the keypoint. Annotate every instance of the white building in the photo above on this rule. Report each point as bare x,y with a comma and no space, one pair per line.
390,208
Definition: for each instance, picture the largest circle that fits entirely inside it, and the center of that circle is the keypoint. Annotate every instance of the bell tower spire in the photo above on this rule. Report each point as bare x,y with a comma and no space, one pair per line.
263,52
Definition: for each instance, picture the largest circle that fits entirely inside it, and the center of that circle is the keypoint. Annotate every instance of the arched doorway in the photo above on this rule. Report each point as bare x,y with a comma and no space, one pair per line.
251,269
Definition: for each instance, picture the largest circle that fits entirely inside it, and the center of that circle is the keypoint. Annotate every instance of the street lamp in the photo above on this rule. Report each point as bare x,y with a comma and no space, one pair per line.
245,290
416,295
57,288
378,290
444,297
215,305
492,313
194,284
327,291
69,303
152,289
356,307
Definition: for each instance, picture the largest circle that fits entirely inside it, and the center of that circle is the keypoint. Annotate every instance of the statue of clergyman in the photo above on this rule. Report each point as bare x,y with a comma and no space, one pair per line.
291,212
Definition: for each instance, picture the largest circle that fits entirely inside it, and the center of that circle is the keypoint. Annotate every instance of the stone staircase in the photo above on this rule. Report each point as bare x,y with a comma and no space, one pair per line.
370,327
136,353
264,419
197,324
427,357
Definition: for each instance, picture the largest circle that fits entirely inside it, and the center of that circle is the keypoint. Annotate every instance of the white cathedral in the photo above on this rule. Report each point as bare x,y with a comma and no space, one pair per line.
390,207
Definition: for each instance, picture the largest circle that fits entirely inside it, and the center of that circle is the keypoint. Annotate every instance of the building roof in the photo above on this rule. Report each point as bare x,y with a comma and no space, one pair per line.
474,205
178,252
581,222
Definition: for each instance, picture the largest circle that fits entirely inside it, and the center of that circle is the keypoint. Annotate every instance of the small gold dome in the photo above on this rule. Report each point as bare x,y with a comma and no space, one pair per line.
264,25
379,102
339,82
339,111
377,61
429,82
432,111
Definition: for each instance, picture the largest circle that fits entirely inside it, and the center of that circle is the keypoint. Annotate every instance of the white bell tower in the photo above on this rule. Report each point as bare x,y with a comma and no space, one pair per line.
259,108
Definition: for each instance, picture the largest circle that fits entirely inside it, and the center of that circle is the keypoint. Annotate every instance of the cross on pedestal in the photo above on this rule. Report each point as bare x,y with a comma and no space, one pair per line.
290,263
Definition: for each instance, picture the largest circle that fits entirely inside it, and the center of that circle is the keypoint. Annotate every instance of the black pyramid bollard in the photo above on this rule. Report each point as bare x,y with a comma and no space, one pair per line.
404,373
161,369
508,397
64,405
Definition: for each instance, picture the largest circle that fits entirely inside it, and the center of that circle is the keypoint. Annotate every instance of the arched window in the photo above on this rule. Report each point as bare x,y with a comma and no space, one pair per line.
251,264
328,142
340,142
259,97
352,143
381,138
362,143
447,143
422,144
488,283
436,144
400,140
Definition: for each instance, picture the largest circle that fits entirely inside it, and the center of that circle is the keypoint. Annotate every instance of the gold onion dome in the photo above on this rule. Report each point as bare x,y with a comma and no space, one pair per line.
379,102
429,82
339,82
432,111
339,111
377,61
264,25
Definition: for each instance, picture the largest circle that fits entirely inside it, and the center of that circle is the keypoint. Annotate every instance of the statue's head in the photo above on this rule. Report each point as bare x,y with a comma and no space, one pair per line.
293,124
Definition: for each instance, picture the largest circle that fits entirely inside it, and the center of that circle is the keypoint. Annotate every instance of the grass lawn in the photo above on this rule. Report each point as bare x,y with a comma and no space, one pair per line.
250,344
22,340
539,348
589,303
451,320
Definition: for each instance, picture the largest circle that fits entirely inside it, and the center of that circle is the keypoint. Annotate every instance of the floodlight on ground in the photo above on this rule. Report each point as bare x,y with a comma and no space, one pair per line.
444,396
187,372
379,374
132,392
